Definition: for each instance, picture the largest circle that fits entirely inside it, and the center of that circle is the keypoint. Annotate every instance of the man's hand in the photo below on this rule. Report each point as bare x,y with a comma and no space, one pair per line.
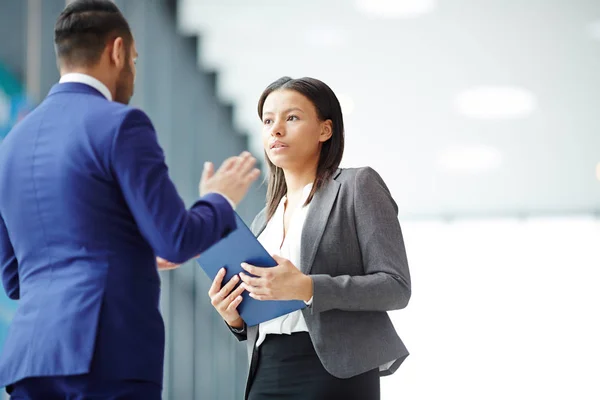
282,282
232,179
164,265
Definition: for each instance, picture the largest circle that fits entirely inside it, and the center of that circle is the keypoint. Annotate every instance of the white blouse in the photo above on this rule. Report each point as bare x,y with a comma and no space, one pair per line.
271,238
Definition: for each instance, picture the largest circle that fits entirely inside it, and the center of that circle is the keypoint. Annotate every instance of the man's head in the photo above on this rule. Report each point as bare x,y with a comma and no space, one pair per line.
93,37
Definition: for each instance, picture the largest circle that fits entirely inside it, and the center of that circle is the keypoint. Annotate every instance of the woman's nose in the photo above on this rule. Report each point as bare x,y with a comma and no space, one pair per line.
277,130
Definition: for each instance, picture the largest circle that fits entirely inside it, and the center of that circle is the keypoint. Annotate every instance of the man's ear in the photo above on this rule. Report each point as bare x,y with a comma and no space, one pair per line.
326,131
117,52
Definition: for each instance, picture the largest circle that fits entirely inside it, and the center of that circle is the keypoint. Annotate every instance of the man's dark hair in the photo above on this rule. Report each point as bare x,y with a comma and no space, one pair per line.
84,28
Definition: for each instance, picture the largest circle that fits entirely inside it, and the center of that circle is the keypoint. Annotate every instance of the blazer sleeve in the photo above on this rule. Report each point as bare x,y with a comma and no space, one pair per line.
385,284
175,233
8,264
240,334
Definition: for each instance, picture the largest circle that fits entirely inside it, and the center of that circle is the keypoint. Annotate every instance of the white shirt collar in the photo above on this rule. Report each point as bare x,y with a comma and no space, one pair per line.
87,80
305,193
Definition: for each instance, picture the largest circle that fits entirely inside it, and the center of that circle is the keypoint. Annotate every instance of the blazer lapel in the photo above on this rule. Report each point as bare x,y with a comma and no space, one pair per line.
260,224
316,220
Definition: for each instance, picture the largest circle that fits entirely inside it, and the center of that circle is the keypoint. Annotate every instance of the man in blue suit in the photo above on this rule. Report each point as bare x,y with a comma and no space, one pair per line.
86,207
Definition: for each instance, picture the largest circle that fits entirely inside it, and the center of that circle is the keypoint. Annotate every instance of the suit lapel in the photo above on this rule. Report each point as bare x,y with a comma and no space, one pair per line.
316,220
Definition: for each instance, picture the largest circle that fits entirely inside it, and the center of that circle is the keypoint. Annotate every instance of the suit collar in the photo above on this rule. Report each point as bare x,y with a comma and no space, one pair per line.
88,80
74,87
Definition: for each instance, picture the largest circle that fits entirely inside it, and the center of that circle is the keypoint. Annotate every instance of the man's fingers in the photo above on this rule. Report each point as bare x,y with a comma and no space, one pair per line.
167,267
240,161
161,262
229,164
253,175
164,265
208,171
246,164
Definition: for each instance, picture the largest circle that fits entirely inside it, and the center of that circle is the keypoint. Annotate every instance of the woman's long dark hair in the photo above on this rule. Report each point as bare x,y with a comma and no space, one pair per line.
328,108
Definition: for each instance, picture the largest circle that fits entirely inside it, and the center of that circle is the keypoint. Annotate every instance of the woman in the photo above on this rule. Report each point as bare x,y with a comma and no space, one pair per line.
336,238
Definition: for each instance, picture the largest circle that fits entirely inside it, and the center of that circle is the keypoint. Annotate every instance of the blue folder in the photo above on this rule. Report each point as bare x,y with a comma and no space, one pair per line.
237,247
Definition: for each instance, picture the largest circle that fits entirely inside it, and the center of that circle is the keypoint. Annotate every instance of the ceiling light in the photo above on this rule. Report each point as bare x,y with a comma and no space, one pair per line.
492,102
326,37
395,8
470,159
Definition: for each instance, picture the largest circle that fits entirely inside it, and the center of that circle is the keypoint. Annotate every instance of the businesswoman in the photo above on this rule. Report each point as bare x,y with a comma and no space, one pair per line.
336,237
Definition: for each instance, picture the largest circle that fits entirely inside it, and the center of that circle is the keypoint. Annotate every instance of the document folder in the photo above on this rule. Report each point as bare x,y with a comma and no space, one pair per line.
237,247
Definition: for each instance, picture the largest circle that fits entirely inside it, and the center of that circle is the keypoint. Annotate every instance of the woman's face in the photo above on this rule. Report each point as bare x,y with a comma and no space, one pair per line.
292,132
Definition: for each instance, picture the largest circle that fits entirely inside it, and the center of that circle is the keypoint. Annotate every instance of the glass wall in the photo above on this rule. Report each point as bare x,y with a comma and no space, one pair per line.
13,106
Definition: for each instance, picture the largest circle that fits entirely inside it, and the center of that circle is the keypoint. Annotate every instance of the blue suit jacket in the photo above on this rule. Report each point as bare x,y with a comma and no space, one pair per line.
86,204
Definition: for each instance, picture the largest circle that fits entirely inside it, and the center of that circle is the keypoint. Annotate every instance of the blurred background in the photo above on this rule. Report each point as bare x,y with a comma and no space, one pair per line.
483,117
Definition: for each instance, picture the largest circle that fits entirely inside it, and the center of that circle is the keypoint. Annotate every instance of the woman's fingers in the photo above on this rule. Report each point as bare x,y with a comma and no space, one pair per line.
216,285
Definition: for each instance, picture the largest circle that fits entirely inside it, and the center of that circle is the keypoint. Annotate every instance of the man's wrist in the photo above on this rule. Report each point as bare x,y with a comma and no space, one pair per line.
231,202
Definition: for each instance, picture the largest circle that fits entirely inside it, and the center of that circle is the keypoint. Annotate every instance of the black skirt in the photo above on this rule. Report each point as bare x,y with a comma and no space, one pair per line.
287,367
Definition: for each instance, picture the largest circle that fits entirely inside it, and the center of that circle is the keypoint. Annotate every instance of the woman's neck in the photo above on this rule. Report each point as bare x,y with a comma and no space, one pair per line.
296,180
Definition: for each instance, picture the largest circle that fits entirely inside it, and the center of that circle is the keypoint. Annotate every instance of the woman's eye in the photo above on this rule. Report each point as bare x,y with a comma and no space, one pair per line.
292,118
267,121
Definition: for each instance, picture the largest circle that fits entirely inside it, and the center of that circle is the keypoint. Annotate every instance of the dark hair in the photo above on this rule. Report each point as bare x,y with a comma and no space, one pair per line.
84,28
328,108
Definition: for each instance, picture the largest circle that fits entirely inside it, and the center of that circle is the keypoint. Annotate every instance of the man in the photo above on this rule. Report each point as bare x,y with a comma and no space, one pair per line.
86,206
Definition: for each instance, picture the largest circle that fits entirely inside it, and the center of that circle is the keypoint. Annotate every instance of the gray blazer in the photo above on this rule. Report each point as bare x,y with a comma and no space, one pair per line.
353,249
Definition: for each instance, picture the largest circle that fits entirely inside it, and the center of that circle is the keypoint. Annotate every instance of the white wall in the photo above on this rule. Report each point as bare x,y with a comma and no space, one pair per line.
501,309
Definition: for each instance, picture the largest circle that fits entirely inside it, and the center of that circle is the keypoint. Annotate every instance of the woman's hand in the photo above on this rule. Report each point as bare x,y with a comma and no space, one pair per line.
282,282
226,301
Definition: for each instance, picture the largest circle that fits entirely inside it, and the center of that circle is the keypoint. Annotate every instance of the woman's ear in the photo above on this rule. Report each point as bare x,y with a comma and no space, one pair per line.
326,131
